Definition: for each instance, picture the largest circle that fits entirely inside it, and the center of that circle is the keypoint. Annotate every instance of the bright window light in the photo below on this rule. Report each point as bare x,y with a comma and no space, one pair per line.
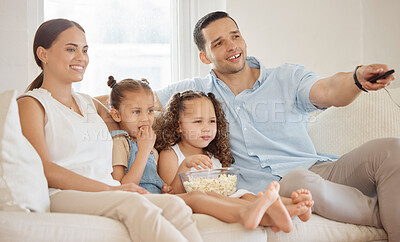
126,38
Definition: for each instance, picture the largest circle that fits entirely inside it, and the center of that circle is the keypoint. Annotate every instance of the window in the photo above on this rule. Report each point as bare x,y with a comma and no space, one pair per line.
127,39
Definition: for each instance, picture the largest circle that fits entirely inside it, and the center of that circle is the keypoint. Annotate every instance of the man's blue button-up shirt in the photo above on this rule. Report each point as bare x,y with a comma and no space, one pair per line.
267,123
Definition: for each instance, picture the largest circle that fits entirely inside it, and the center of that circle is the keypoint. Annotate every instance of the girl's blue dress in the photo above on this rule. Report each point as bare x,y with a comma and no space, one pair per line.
151,181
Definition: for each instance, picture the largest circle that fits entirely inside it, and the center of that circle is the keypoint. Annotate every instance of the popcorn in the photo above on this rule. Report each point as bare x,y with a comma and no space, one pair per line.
224,184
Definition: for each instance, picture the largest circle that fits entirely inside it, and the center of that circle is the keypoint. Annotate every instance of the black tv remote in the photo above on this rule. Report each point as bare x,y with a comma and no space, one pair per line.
374,79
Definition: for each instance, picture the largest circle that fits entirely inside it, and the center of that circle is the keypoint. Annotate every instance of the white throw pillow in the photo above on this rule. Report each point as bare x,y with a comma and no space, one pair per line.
372,115
23,185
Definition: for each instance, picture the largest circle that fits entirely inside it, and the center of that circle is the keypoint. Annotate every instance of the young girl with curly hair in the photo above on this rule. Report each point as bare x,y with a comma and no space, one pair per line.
134,160
193,133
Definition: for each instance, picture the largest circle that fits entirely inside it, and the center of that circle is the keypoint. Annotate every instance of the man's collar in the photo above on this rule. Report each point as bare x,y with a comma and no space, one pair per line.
253,63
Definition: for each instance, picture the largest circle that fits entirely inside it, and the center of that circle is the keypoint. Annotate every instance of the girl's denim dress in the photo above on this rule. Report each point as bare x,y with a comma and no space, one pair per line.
151,181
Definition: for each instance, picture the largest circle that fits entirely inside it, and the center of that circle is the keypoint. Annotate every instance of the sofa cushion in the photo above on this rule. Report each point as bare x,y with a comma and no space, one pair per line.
316,229
21,227
16,226
372,115
322,229
23,185
212,229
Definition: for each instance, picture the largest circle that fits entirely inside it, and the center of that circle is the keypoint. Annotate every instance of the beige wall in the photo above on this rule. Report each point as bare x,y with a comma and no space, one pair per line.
18,22
326,36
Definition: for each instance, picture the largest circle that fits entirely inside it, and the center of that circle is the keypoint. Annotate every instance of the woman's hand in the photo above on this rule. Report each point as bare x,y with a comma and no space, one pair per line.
198,161
129,187
146,138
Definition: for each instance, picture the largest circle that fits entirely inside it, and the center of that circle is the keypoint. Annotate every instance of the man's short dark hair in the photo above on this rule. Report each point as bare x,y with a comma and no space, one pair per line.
204,22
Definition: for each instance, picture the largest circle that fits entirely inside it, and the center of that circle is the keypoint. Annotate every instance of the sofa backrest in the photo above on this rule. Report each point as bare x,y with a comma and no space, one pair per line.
372,115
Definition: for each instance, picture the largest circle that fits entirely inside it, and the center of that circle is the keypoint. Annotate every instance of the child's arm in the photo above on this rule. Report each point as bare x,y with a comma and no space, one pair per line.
145,142
197,161
167,165
120,156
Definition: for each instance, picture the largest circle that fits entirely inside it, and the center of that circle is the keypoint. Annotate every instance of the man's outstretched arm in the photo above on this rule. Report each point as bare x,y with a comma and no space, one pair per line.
340,89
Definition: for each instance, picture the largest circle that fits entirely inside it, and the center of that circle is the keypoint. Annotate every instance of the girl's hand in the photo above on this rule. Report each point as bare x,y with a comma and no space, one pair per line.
146,138
198,161
167,189
129,187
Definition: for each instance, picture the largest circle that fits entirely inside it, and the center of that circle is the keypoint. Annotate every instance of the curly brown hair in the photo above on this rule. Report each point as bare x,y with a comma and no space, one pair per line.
167,126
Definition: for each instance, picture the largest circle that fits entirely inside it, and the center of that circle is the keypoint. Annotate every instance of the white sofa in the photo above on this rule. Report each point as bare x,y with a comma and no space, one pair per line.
333,131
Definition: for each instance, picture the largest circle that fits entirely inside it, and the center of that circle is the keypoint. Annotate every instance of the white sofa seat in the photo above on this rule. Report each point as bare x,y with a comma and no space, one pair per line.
48,227
42,227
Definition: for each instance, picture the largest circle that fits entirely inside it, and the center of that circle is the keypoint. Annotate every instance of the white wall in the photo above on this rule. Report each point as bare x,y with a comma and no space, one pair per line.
326,36
18,22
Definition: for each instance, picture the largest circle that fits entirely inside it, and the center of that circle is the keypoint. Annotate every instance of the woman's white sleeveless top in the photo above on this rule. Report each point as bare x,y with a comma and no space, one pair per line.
78,143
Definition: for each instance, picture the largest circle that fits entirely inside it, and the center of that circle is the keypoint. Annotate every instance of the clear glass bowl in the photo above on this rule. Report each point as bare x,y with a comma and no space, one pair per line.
222,181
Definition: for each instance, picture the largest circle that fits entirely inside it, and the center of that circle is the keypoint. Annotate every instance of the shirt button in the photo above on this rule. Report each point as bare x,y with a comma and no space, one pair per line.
245,129
238,108
251,153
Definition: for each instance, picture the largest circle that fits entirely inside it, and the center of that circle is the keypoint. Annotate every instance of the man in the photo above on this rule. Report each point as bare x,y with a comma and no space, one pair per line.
268,111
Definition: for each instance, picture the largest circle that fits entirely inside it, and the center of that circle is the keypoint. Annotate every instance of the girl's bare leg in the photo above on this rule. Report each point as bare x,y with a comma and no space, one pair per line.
231,210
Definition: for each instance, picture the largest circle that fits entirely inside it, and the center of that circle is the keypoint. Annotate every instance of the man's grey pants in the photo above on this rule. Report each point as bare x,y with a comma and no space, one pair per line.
362,187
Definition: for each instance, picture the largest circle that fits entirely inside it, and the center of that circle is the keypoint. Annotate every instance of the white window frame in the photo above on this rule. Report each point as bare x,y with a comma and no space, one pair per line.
185,14
35,17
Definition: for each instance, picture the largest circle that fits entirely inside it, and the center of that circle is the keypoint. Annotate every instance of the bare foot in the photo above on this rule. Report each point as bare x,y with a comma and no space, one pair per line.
302,196
252,214
280,217
299,210
277,216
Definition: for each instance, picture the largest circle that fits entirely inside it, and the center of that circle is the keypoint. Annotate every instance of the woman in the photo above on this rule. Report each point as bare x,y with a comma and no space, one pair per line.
75,146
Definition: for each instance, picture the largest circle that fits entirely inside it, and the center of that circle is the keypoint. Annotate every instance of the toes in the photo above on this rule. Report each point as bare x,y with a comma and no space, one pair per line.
309,203
303,191
301,195
299,205
275,185
294,195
